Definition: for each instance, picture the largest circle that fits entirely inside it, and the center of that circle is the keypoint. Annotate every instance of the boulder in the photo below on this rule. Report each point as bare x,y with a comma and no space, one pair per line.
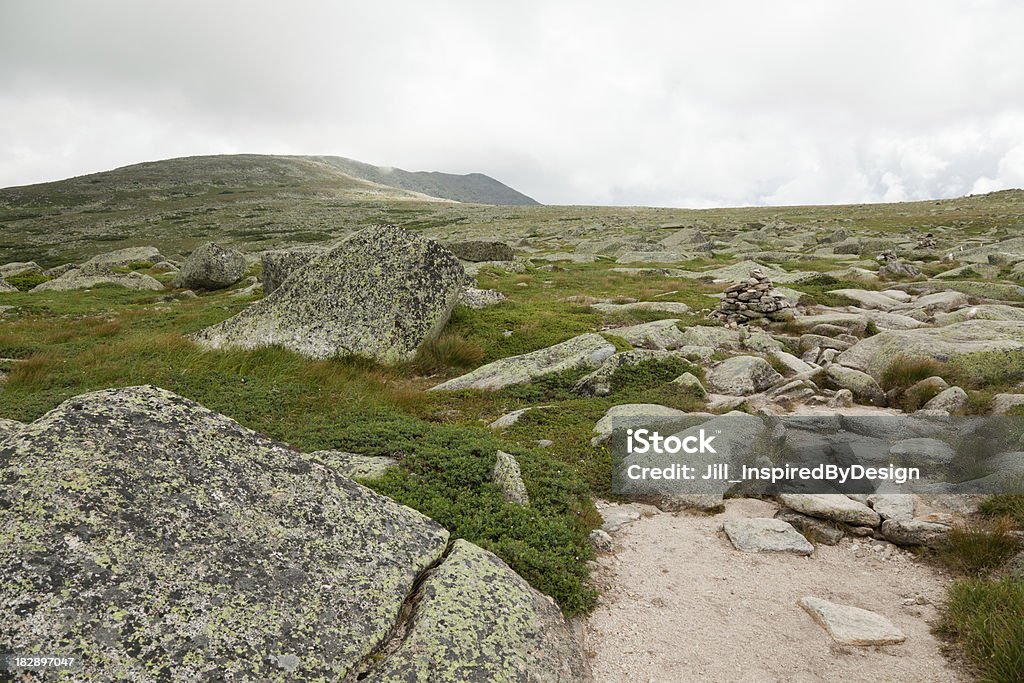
6,287
158,536
481,250
279,264
599,382
892,505
380,293
586,350
659,334
742,375
19,268
852,625
981,312
832,506
354,465
818,530
690,383
509,479
862,385
868,299
915,532
475,298
477,620
57,271
80,279
1004,403
211,267
896,270
124,257
875,354
766,535
640,414
921,451
8,428
670,307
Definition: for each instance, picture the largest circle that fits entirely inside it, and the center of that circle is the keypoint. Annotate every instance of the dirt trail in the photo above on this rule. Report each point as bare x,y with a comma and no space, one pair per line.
680,604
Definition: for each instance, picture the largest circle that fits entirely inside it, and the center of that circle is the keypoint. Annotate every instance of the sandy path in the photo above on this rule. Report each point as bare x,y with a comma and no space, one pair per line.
680,604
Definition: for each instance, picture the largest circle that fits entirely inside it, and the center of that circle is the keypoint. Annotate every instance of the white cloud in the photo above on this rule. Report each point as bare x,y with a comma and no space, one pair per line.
662,103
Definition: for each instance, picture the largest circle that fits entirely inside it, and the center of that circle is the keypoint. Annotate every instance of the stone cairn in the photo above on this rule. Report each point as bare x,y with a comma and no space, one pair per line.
751,300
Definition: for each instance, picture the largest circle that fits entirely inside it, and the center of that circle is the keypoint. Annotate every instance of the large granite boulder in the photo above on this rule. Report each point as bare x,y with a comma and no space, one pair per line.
586,350
149,535
79,278
742,375
875,354
211,266
8,428
477,621
379,293
19,268
155,539
279,264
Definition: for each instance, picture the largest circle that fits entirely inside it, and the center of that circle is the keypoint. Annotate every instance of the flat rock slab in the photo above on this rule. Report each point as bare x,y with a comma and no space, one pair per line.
766,535
852,625
586,350
832,506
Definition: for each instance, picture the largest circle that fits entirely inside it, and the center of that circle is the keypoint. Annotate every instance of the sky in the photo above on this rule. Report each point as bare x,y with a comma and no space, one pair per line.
655,103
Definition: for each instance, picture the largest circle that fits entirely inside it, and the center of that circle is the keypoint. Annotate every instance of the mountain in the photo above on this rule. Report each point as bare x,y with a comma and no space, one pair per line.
473,188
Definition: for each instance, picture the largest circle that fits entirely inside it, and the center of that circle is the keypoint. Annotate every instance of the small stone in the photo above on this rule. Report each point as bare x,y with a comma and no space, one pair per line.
509,479
766,535
601,541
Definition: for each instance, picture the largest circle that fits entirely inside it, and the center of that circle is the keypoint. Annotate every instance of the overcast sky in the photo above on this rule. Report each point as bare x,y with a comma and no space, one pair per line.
643,103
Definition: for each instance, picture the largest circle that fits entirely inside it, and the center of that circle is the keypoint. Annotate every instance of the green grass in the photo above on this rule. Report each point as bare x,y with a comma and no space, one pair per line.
27,281
1006,506
980,549
905,372
986,618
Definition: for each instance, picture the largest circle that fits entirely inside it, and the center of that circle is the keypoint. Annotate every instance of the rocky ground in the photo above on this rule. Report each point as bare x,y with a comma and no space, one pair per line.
288,400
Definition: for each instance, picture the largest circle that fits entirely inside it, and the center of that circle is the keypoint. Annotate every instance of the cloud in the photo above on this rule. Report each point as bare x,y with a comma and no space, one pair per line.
651,103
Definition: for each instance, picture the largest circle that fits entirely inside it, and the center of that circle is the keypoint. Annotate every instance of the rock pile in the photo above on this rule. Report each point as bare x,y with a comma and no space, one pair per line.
926,242
753,299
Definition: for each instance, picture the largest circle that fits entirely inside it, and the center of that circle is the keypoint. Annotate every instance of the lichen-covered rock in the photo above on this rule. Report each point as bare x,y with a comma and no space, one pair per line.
586,350
278,265
57,271
8,428
481,250
125,257
921,532
832,506
6,287
354,465
150,536
669,307
475,298
861,384
599,382
380,293
509,478
658,334
82,279
19,268
477,621
742,375
762,535
875,354
211,266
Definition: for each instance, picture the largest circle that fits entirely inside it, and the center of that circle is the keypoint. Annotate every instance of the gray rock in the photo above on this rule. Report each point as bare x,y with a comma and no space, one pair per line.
154,500
640,414
476,620
842,399
922,451
481,250
875,354
670,307
599,382
8,428
380,293
278,265
690,383
354,465
659,334
79,279
915,532
211,267
852,625
895,270
6,287
19,268
892,505
862,385
742,375
472,297
1004,403
586,350
831,506
509,479
57,271
766,535
868,299
509,419
792,363
601,541
124,257
614,517
818,530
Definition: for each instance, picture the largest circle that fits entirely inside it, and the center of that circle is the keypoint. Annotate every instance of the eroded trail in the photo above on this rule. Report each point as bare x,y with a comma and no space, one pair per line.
679,603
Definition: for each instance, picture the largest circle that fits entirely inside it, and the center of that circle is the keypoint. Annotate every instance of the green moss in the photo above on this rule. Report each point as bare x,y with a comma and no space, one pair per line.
27,281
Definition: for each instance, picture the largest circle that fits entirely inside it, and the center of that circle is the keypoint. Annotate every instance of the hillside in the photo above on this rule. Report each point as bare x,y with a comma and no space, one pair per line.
473,188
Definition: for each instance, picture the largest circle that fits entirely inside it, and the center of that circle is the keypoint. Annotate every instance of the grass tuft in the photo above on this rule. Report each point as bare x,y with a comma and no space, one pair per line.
987,620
